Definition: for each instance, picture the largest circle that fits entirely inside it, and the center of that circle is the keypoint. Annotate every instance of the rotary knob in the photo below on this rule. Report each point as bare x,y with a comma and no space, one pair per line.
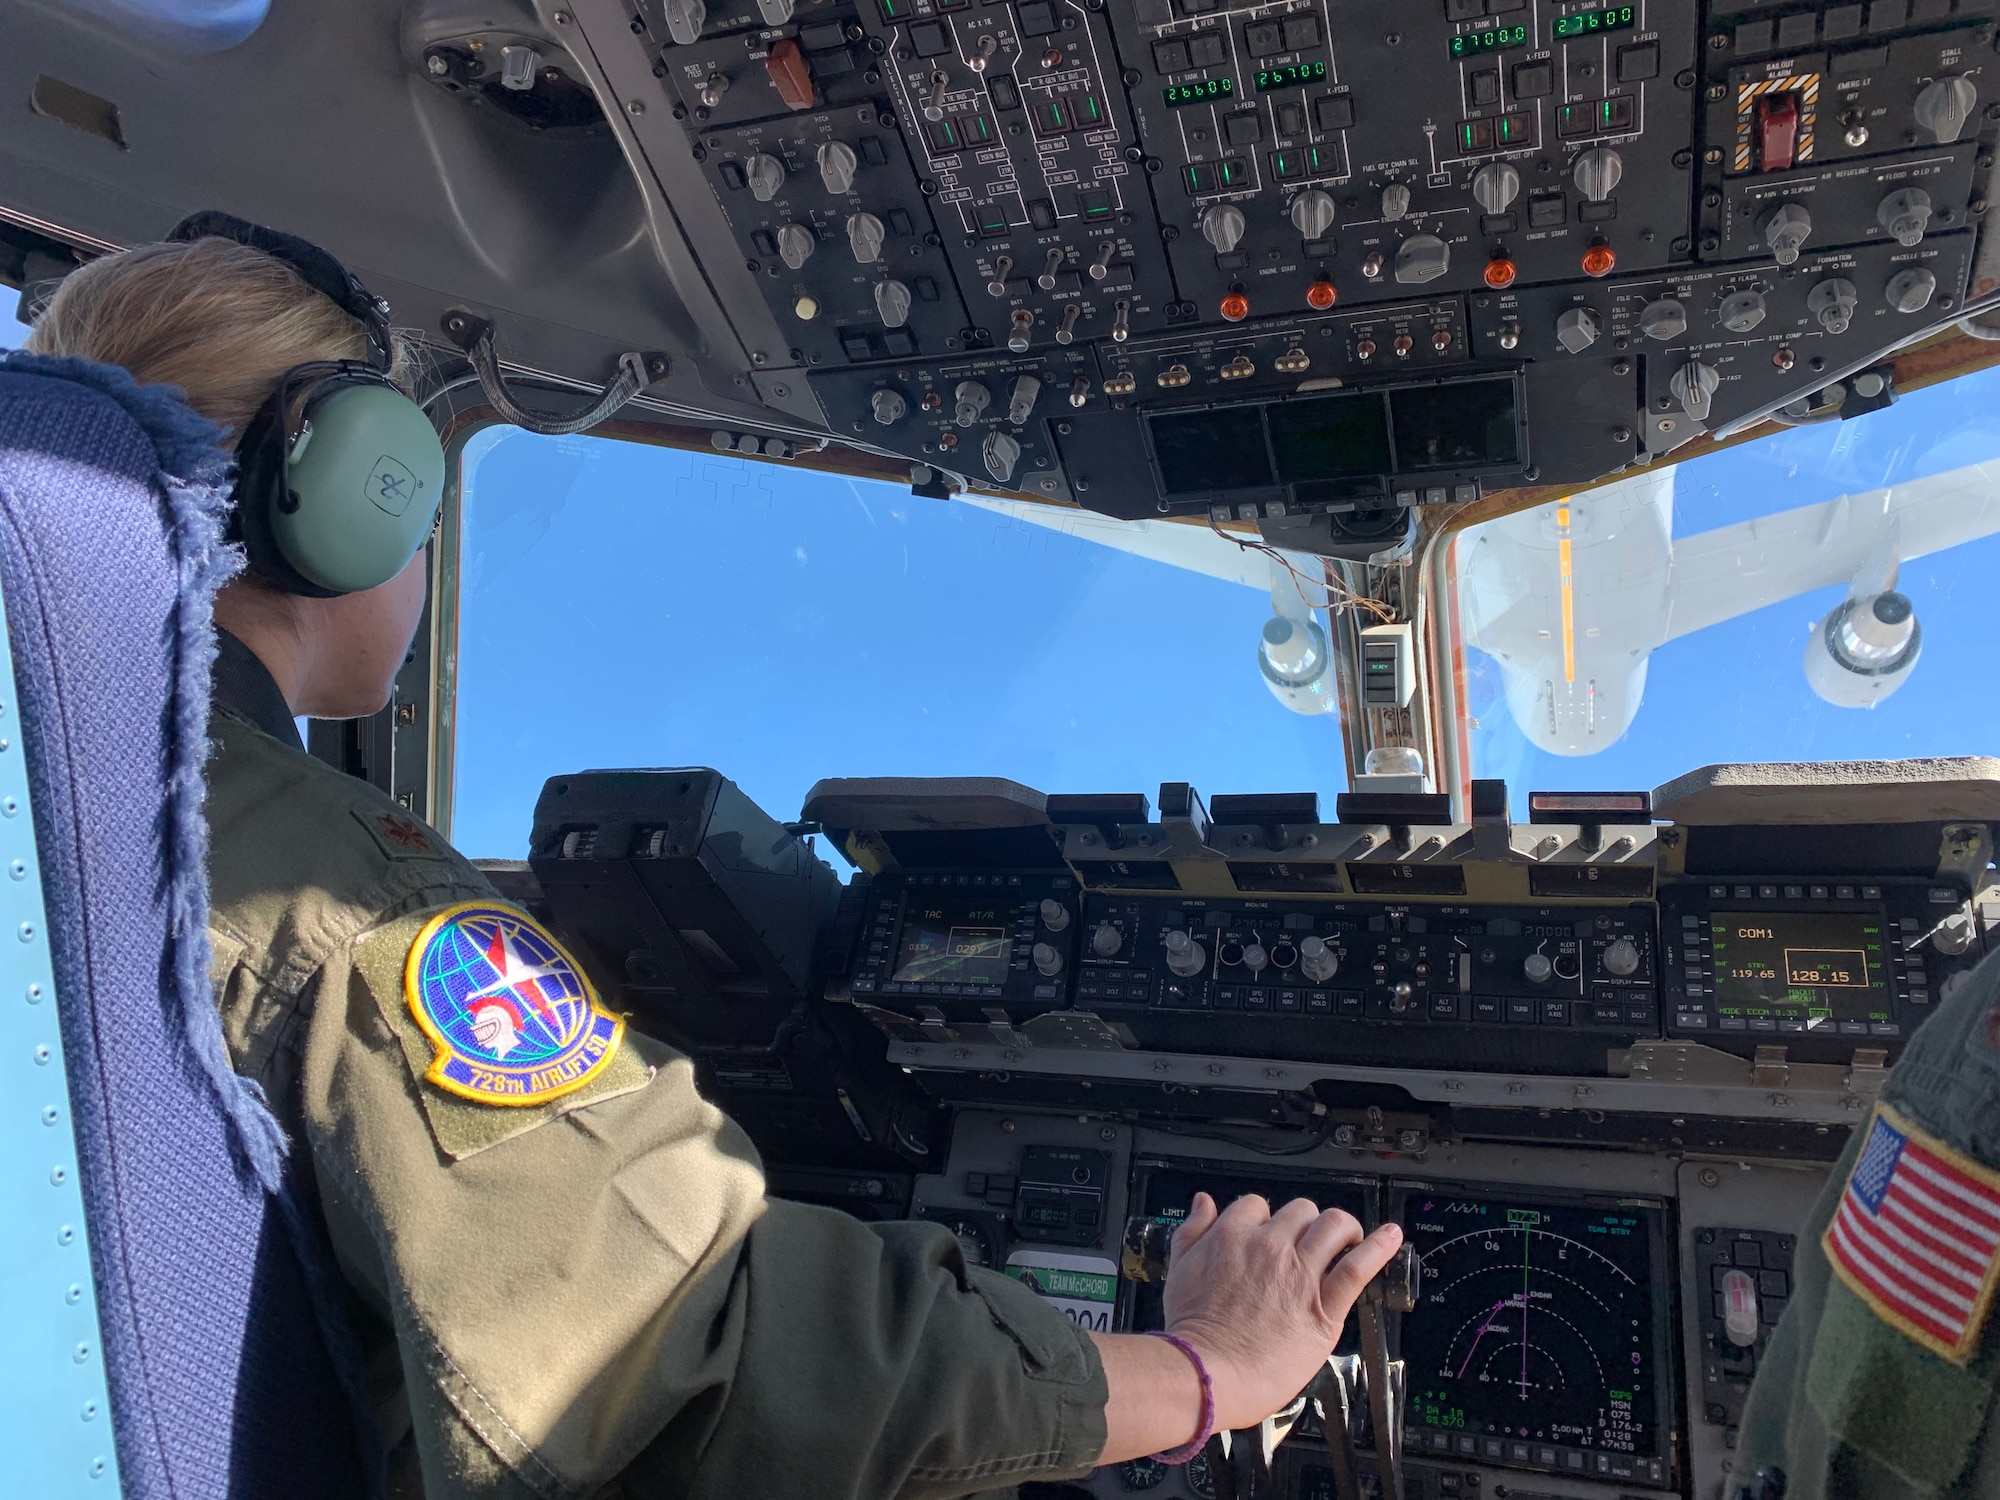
1048,960
836,166
1597,172
892,302
1222,226
1833,302
1536,968
1954,934
969,401
1906,214
765,174
1692,384
1495,186
865,234
1312,213
1663,320
796,244
1054,915
1621,957
1000,452
685,18
1786,228
1395,201
1422,258
888,406
1255,958
1106,940
1741,311
1944,105
1021,400
1577,329
1317,962
775,12
1911,290
1185,956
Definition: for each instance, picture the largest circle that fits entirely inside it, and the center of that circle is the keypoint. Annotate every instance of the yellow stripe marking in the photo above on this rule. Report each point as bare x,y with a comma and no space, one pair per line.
1568,592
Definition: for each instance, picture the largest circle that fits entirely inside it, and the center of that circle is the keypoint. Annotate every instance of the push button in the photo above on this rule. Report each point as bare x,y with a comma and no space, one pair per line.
1291,119
1207,50
1483,88
1534,80
1639,62
1334,112
1244,128
1170,57
1262,38
1301,32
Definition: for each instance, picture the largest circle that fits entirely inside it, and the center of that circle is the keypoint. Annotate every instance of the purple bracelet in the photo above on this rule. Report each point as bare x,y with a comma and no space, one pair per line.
1183,1454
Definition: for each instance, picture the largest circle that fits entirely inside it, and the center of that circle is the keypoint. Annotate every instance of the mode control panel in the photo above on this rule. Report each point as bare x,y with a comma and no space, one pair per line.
1348,980
1823,968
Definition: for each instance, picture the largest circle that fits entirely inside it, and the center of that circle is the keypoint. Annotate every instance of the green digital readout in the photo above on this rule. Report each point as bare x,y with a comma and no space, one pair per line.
1205,92
1590,22
1291,75
1493,39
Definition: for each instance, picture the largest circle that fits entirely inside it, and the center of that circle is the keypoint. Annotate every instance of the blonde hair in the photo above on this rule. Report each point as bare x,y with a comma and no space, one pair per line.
220,320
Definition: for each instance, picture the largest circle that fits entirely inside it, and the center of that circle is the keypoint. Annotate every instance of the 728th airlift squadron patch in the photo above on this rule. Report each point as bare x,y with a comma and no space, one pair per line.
509,1013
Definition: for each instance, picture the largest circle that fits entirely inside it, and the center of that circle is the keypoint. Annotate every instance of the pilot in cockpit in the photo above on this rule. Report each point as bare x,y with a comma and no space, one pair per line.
569,1277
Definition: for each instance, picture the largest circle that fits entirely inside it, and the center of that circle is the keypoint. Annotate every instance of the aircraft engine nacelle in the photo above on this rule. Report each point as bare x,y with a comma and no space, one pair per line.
1864,650
1296,666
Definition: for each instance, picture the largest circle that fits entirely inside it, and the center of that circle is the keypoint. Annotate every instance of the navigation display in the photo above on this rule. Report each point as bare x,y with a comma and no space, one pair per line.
970,945
1541,1325
1827,966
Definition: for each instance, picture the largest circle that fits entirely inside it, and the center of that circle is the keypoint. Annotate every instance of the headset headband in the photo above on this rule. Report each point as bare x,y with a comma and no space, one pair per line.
320,271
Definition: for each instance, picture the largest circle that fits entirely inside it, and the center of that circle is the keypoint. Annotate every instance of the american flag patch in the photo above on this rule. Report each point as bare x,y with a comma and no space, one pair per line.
1917,1236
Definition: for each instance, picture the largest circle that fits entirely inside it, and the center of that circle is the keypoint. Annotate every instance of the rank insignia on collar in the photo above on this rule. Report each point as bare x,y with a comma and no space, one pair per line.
511,1017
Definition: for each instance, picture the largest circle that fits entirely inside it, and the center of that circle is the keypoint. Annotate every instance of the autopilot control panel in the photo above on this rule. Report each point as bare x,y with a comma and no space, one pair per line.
1597,1071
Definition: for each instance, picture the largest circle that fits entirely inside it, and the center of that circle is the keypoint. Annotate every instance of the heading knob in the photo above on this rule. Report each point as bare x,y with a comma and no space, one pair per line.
796,244
970,400
1692,384
865,234
1833,302
837,162
1597,172
1395,201
1054,915
1496,185
1317,962
1663,320
1106,940
1001,451
1222,226
1906,214
765,174
892,302
1312,213
1786,228
1185,956
1621,957
1945,105
888,406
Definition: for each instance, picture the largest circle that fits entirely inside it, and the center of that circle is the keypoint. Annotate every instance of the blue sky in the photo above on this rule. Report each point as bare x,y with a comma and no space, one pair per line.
631,606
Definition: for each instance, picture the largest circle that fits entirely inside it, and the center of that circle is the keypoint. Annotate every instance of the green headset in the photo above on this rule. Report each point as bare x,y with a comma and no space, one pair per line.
339,474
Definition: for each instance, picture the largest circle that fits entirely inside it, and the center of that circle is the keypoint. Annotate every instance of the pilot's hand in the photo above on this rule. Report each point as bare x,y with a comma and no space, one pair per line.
1262,1296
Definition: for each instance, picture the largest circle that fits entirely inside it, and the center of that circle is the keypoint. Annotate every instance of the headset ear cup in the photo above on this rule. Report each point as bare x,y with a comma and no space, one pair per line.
261,489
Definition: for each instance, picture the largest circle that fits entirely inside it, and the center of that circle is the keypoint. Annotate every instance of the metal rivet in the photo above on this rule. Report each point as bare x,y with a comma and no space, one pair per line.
97,1468
66,1235
57,1177
27,932
50,1115
82,1355
74,1295
10,806
18,869
42,1053
34,994
90,1411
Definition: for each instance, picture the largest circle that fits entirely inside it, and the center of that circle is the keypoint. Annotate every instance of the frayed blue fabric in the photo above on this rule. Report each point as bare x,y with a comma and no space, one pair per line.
195,473
232,1369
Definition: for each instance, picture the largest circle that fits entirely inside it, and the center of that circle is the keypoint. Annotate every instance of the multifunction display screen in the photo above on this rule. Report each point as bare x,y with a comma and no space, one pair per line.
1541,1323
954,944
1829,966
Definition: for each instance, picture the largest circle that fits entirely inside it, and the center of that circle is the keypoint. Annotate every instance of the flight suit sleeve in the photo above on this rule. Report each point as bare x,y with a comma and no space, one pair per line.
592,1294
1845,1403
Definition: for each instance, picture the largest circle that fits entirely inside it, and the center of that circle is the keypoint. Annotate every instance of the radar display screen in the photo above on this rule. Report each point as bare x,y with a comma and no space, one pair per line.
959,945
1822,967
1539,1336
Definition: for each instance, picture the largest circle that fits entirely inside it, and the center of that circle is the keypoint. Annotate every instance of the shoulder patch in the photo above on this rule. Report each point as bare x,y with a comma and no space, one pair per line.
398,835
509,1015
1916,1236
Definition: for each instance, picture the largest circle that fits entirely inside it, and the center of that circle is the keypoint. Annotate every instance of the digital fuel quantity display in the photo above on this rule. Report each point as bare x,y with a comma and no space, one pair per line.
1206,92
1542,1324
1492,39
1591,22
1290,75
1818,966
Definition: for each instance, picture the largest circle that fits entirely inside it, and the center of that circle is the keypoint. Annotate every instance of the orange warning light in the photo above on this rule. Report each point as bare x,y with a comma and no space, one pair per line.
1599,259
1235,307
1501,271
1321,295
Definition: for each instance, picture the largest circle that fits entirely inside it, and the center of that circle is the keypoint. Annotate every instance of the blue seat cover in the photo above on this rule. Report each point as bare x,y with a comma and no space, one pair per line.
217,1311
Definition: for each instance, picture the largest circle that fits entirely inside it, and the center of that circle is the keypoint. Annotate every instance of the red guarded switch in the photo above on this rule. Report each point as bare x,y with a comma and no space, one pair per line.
1777,131
790,74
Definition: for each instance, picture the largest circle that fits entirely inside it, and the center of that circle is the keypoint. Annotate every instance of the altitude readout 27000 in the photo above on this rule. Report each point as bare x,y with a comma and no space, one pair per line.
1537,1323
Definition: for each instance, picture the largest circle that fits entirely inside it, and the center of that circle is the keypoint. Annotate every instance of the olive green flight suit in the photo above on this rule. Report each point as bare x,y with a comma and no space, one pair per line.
1845,1404
592,1295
